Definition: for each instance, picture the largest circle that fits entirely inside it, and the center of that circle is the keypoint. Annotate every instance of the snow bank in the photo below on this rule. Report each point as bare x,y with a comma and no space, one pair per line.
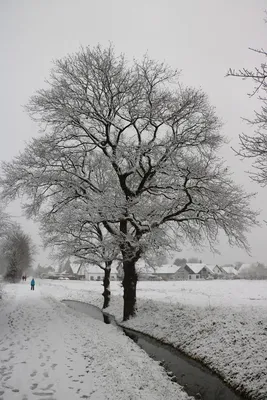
228,332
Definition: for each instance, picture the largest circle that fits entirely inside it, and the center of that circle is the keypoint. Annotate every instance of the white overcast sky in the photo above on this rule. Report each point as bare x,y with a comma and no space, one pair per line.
202,38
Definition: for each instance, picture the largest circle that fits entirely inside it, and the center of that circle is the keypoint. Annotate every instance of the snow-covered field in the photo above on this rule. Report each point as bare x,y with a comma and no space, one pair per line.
50,352
234,293
222,323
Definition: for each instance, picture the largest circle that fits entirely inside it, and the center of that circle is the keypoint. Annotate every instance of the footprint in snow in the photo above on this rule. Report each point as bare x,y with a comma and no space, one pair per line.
43,393
34,386
48,387
33,373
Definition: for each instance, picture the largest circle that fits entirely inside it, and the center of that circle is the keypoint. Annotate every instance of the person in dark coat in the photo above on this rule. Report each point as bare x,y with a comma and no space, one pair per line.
32,284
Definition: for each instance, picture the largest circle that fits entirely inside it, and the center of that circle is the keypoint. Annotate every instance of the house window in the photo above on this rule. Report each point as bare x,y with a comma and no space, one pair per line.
91,278
197,276
189,276
98,278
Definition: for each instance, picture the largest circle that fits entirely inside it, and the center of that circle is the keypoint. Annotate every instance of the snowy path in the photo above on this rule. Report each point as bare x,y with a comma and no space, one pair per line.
50,352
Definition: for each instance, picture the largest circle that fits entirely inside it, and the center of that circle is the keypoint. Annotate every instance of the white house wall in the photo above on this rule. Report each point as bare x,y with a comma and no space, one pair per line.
194,277
98,277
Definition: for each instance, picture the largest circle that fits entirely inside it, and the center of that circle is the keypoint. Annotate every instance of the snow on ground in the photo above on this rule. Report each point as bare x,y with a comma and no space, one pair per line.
50,352
222,323
234,293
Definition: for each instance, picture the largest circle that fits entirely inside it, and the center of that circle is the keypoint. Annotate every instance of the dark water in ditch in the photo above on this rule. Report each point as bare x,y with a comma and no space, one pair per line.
196,379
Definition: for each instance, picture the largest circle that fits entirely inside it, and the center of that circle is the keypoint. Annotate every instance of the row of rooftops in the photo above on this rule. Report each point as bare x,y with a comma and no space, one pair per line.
167,269
196,268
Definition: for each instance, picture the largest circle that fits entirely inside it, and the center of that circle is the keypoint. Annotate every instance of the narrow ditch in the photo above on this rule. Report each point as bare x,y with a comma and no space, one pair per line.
197,380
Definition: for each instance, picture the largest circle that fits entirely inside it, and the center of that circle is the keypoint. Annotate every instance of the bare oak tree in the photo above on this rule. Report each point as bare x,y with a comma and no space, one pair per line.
137,149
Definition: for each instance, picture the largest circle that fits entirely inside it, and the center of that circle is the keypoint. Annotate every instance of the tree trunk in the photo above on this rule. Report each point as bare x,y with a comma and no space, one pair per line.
129,284
130,256
106,284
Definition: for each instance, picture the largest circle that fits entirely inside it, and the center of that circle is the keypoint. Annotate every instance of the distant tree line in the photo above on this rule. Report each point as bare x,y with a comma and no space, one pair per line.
43,270
180,262
16,249
255,271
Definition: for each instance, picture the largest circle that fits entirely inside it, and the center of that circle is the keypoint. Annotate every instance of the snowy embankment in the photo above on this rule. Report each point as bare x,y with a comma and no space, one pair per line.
51,352
221,323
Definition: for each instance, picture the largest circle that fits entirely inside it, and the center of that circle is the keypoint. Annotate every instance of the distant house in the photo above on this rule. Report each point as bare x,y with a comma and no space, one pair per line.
197,271
182,273
215,271
75,267
194,271
229,271
92,272
166,272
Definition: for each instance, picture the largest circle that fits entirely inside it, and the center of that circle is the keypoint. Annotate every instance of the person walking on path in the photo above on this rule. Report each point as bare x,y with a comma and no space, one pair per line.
32,284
